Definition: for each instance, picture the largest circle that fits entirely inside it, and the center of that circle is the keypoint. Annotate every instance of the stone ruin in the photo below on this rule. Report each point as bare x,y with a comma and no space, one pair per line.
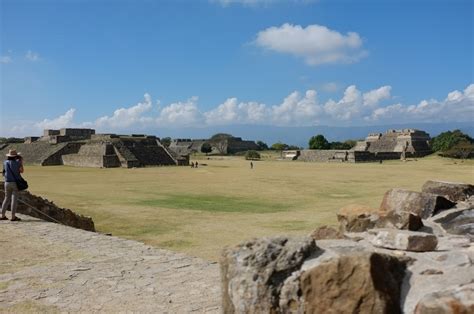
85,148
414,254
41,208
230,145
393,144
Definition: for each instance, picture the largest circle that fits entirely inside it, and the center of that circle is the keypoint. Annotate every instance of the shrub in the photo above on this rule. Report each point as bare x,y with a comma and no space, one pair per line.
318,142
252,155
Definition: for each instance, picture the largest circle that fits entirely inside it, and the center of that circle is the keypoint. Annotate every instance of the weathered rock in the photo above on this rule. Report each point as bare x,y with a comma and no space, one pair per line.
357,218
423,204
253,273
356,282
454,192
326,232
400,220
403,240
41,208
456,300
458,222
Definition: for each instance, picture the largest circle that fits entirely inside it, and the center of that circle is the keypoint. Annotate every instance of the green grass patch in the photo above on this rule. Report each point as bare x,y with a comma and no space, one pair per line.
215,203
175,244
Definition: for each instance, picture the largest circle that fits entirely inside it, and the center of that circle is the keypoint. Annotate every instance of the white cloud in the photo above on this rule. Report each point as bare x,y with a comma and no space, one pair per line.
353,108
127,117
6,59
181,114
62,121
32,56
457,106
317,44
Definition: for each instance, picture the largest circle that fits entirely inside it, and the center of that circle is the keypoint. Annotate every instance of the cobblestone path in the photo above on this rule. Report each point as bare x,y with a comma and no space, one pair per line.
46,267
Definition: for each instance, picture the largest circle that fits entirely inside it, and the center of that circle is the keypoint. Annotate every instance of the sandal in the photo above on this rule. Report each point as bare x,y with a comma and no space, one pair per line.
15,219
3,218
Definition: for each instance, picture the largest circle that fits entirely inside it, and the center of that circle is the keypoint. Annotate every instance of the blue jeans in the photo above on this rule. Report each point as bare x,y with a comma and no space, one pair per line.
11,196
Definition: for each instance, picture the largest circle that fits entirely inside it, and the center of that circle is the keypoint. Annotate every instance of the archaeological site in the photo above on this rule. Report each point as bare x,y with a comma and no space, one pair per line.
393,144
85,148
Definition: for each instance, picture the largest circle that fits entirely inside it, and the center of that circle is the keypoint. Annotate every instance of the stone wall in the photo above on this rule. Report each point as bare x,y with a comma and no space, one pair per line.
97,155
317,155
63,215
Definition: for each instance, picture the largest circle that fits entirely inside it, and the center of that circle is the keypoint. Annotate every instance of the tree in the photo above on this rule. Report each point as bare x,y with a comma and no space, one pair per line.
318,142
446,140
464,149
166,141
262,145
279,146
220,137
206,148
252,155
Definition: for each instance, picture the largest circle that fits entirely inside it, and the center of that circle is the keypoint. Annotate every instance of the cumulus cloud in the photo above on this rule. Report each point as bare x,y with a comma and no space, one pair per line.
65,120
126,117
297,109
32,56
6,59
181,113
316,44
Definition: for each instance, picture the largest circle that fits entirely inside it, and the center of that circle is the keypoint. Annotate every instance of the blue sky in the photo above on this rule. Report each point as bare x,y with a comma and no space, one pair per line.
158,66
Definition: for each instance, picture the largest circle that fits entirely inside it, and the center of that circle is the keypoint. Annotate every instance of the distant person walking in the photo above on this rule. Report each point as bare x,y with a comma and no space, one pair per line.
251,165
12,169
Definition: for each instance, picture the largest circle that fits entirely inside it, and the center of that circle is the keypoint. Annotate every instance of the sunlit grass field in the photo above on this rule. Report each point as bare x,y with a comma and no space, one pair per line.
199,211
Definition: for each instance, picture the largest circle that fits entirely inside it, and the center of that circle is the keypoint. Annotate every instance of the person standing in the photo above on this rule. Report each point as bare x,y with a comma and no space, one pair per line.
12,169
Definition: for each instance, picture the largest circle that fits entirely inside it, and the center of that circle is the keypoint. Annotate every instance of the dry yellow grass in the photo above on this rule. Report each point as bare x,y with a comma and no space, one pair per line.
198,211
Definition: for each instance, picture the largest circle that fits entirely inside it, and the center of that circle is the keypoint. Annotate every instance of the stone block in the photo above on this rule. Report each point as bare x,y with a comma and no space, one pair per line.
456,300
326,232
454,192
357,218
353,282
403,240
253,273
424,205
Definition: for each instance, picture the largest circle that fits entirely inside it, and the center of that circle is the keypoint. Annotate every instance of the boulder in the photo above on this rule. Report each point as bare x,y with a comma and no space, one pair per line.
422,204
253,273
357,218
355,282
457,222
326,232
454,192
456,300
403,240
400,220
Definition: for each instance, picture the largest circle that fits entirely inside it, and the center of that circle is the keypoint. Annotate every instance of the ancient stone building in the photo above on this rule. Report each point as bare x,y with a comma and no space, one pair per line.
228,145
393,144
84,148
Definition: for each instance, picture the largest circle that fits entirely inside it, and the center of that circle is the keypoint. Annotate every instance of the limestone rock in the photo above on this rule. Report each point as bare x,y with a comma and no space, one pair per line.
454,192
458,222
356,282
400,220
457,300
253,273
326,232
423,204
403,240
357,218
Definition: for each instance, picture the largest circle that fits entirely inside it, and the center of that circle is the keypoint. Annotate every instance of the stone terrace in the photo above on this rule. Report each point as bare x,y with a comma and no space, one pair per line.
46,267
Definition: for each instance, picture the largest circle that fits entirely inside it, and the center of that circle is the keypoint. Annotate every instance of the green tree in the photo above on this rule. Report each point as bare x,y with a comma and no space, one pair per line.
318,142
447,140
464,149
166,141
279,146
252,155
262,145
206,148
220,137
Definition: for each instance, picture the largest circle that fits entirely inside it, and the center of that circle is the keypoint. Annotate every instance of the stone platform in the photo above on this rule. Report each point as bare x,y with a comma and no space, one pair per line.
46,267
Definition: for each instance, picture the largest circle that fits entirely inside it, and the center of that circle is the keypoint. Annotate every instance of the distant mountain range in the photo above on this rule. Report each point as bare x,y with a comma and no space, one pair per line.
299,136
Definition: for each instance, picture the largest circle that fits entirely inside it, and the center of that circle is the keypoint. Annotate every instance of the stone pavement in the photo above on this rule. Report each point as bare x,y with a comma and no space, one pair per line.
53,268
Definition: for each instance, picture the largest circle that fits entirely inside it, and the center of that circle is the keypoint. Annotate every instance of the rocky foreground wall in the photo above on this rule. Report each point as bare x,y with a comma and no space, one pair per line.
64,216
414,254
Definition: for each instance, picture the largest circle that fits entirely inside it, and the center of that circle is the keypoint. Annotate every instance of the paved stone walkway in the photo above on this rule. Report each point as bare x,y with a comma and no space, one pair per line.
53,268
